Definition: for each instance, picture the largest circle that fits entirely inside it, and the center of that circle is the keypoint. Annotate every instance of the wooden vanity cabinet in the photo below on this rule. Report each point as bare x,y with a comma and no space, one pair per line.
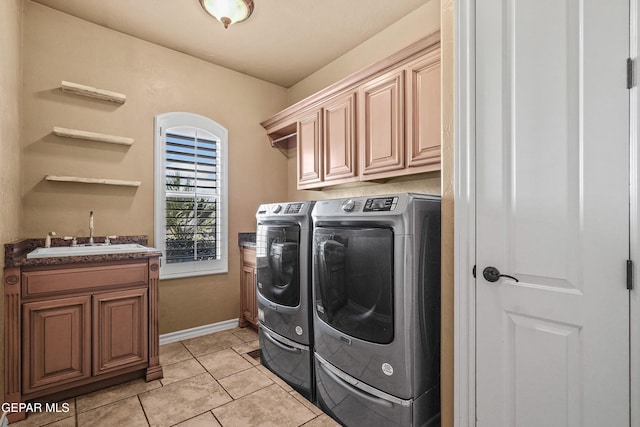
73,328
248,301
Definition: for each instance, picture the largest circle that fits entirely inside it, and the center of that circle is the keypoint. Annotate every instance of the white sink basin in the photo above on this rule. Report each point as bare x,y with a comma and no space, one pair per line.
86,250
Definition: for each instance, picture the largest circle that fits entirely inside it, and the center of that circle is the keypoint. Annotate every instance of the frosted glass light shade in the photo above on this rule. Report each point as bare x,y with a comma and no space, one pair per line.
228,11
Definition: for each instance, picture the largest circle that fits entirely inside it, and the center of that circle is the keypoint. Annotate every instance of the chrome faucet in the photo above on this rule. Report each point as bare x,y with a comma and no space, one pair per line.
91,228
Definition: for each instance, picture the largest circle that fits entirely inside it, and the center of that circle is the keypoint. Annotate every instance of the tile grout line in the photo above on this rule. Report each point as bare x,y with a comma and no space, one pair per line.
143,411
113,401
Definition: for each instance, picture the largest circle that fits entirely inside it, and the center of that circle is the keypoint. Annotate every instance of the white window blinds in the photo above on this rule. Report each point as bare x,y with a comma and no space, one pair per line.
192,196
191,200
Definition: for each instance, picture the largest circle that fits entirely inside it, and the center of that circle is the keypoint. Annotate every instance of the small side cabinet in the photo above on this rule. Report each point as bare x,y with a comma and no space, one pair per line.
248,302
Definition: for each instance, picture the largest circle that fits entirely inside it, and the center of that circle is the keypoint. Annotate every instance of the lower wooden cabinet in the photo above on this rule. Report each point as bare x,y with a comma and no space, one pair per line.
73,328
248,302
56,342
60,345
120,330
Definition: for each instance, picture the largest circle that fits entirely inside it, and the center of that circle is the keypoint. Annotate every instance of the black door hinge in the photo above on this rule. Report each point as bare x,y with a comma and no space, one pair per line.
474,271
629,73
629,274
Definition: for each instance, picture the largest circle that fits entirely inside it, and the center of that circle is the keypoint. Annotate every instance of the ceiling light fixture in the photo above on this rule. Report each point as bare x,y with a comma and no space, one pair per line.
228,11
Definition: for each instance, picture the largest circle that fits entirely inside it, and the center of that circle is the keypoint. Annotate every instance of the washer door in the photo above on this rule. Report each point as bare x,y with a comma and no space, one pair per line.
278,263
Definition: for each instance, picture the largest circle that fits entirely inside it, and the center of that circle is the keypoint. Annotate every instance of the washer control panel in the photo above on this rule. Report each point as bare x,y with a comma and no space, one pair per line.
348,205
293,208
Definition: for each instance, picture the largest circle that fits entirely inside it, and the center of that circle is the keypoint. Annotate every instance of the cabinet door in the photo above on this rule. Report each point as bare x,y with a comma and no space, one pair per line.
250,306
56,342
423,114
340,139
310,151
248,302
381,125
120,330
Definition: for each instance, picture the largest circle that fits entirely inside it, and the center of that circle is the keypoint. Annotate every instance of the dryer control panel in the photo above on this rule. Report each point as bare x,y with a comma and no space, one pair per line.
380,204
365,206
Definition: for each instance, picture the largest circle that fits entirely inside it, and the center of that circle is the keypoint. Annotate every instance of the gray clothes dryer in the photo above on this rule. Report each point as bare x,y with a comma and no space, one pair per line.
284,292
376,308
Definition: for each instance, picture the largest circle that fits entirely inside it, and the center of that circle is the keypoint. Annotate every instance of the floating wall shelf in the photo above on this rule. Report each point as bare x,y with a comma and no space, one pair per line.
102,181
92,92
92,136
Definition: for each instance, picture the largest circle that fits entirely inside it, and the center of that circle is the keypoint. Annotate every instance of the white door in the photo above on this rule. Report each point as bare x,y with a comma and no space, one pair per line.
552,182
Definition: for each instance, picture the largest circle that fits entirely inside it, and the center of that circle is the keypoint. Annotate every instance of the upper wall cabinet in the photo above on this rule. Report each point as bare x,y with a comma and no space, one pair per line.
399,121
339,137
381,125
381,122
423,115
309,130
326,139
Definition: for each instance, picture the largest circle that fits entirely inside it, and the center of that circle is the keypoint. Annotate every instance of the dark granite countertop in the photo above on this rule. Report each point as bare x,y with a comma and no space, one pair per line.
15,253
247,239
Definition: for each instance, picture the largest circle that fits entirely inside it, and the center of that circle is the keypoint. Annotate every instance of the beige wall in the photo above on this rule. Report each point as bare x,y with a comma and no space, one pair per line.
10,118
10,132
447,33
156,80
419,23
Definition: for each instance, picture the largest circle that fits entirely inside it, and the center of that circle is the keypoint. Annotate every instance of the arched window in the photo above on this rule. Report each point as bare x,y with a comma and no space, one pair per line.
190,195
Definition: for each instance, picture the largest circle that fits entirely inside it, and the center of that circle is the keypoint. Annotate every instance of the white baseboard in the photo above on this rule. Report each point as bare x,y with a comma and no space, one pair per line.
198,331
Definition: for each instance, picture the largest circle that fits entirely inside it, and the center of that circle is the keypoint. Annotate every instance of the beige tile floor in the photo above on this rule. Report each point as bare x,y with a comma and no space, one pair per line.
208,381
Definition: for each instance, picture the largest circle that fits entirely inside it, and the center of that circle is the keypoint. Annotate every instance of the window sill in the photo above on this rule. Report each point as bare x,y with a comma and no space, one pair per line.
179,275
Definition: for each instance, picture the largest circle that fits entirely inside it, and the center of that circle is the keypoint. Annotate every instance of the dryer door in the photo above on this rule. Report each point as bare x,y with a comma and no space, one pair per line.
353,281
278,263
